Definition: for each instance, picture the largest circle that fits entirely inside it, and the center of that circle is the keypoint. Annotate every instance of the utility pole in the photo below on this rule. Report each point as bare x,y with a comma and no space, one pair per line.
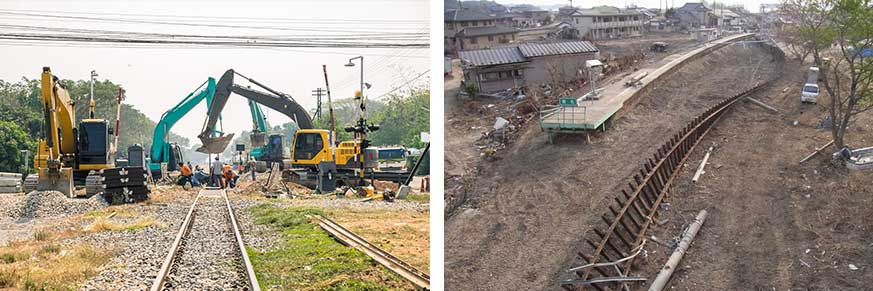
317,93
91,97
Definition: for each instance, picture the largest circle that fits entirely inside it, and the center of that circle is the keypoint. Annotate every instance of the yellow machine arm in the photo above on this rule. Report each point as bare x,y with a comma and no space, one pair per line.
59,121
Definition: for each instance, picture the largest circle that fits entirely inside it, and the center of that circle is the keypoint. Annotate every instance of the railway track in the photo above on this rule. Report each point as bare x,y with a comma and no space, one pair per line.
614,246
420,279
208,252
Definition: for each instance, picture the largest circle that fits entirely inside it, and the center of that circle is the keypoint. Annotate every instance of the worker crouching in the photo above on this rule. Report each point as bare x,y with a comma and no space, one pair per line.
230,177
186,176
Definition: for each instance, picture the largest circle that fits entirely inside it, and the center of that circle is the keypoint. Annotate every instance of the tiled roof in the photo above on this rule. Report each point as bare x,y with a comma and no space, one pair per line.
465,15
494,56
556,48
487,30
521,53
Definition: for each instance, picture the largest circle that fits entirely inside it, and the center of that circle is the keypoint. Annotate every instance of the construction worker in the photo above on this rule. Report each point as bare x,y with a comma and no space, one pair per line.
216,172
252,164
186,176
229,177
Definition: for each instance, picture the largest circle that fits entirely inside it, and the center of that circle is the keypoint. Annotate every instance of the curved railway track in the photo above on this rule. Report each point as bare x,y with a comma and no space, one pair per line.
615,245
208,252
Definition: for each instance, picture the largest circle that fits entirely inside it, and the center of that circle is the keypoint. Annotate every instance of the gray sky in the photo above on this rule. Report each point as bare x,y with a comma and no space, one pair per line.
751,5
157,78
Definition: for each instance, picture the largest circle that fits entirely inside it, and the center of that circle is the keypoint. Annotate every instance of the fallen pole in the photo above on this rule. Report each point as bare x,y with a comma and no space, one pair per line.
661,281
818,150
702,165
762,104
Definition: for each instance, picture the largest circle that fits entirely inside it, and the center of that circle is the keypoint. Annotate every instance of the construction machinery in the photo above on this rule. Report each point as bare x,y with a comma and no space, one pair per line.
70,155
166,155
315,157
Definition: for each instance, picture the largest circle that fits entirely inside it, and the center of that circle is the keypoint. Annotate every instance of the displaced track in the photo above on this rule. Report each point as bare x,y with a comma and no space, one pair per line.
614,250
420,279
638,205
208,251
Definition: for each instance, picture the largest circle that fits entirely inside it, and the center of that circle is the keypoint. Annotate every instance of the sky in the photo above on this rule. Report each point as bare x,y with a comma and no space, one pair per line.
751,5
157,78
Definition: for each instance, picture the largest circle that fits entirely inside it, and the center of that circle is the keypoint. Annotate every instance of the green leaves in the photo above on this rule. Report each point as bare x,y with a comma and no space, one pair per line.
13,139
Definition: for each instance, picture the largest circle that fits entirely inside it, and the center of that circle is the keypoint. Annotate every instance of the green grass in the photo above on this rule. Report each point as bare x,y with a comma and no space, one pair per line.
307,258
418,197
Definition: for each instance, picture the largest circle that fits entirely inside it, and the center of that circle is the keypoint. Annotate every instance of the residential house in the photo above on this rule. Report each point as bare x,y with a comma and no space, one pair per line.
694,15
499,69
727,18
538,15
469,29
603,22
471,38
553,31
522,21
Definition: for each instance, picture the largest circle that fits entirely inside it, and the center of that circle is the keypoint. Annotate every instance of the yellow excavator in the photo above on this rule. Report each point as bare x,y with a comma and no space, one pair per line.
68,155
316,159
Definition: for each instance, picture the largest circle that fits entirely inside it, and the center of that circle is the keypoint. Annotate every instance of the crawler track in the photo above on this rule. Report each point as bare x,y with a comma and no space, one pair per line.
208,252
420,279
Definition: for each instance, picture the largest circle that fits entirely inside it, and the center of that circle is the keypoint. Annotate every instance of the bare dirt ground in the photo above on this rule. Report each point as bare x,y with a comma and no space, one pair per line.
773,224
515,223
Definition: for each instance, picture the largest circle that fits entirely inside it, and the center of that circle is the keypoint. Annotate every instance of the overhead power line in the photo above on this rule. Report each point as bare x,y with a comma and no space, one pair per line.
181,23
239,43
404,84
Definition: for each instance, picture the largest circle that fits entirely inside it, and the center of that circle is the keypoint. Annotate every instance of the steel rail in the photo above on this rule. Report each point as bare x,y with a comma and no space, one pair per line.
396,265
185,229
246,262
174,248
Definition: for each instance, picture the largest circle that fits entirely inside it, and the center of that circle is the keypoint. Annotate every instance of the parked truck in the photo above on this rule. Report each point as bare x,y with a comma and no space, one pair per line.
809,92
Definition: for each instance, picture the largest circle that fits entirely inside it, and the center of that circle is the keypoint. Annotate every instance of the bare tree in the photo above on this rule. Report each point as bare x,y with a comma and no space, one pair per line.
837,32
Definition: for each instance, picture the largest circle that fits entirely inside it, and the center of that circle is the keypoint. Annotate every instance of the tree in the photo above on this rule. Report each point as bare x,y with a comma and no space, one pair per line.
13,139
403,119
836,31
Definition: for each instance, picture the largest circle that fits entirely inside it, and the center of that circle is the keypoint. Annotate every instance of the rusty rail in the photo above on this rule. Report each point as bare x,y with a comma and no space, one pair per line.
634,210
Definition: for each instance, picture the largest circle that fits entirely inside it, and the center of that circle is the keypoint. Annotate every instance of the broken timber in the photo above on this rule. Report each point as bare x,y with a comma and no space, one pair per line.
702,165
818,150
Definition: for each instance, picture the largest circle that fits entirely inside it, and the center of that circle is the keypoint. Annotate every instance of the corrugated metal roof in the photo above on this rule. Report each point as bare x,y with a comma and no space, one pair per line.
556,48
494,56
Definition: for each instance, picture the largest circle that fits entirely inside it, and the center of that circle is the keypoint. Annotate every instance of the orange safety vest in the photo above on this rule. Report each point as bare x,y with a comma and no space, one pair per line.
185,170
228,172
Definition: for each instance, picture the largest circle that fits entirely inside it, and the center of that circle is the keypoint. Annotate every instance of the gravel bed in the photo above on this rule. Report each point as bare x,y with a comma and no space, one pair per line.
397,205
39,204
209,258
140,253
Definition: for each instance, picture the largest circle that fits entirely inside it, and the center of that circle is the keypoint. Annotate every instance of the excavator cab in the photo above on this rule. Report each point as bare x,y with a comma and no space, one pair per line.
310,147
94,145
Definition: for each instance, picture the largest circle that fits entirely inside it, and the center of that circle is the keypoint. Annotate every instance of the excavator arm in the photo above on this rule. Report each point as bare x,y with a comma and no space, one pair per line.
56,153
59,138
161,149
277,101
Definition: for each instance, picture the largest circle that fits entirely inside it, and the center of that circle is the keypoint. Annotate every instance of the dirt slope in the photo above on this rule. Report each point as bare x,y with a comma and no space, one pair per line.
774,224
523,216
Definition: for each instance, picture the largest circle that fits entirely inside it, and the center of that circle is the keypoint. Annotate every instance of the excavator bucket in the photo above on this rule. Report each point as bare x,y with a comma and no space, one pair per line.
60,180
259,139
215,145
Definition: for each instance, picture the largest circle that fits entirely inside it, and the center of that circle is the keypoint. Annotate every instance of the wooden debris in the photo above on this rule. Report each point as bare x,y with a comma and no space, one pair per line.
816,152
